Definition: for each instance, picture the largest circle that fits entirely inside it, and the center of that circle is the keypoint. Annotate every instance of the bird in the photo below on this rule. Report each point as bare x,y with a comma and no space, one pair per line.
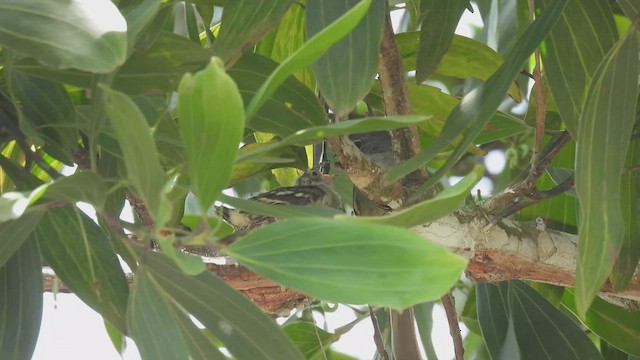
311,188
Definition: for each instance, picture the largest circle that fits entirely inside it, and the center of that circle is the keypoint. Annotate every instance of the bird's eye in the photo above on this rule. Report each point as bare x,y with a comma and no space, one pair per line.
314,173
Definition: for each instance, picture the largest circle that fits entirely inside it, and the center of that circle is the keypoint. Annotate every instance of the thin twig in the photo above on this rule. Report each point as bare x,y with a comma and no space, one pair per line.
377,336
449,304
539,89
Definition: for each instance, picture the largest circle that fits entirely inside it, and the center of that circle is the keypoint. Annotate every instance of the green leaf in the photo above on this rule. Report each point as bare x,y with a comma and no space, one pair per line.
138,17
212,122
493,315
235,36
631,8
614,324
152,320
543,331
307,54
80,254
442,205
47,109
603,138
21,302
279,211
311,340
295,157
436,33
201,343
424,321
352,263
629,253
14,204
570,64
315,134
13,234
477,107
84,186
138,148
344,73
89,35
245,331
290,108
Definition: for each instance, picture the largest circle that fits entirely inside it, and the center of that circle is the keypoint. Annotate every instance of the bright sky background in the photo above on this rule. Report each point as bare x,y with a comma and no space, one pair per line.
73,331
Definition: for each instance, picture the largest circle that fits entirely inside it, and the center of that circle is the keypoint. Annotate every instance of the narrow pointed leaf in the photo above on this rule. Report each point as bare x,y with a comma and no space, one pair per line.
436,33
308,53
443,204
543,331
88,35
150,319
603,138
569,63
235,36
424,321
312,341
212,122
138,149
493,315
352,264
21,302
13,233
84,186
236,322
200,342
345,72
477,107
80,254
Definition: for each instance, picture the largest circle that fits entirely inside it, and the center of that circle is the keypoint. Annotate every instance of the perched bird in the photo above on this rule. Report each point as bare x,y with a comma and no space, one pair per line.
311,188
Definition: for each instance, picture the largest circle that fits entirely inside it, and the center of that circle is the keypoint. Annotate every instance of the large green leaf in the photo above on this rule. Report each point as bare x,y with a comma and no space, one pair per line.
439,22
138,148
312,341
603,139
84,186
424,321
570,63
493,316
316,134
614,324
152,320
350,262
346,70
245,331
477,107
290,108
88,35
80,254
235,36
629,253
48,110
212,123
443,204
20,302
13,233
543,331
307,54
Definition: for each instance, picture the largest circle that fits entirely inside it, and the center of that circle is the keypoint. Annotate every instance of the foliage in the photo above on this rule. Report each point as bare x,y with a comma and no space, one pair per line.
153,104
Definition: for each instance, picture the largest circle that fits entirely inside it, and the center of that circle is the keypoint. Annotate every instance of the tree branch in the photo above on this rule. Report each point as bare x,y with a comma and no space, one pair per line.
449,304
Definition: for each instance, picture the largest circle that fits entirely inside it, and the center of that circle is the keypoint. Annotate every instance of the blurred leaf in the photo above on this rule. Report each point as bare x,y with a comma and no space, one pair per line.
139,151
89,35
290,108
439,21
353,264
14,204
21,302
311,340
152,320
631,8
138,16
617,326
201,343
493,315
570,65
477,107
235,36
84,186
47,109
442,205
13,234
469,314
315,134
312,50
544,331
81,256
424,320
245,169
629,253
465,58
212,123
344,73
245,331
603,135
